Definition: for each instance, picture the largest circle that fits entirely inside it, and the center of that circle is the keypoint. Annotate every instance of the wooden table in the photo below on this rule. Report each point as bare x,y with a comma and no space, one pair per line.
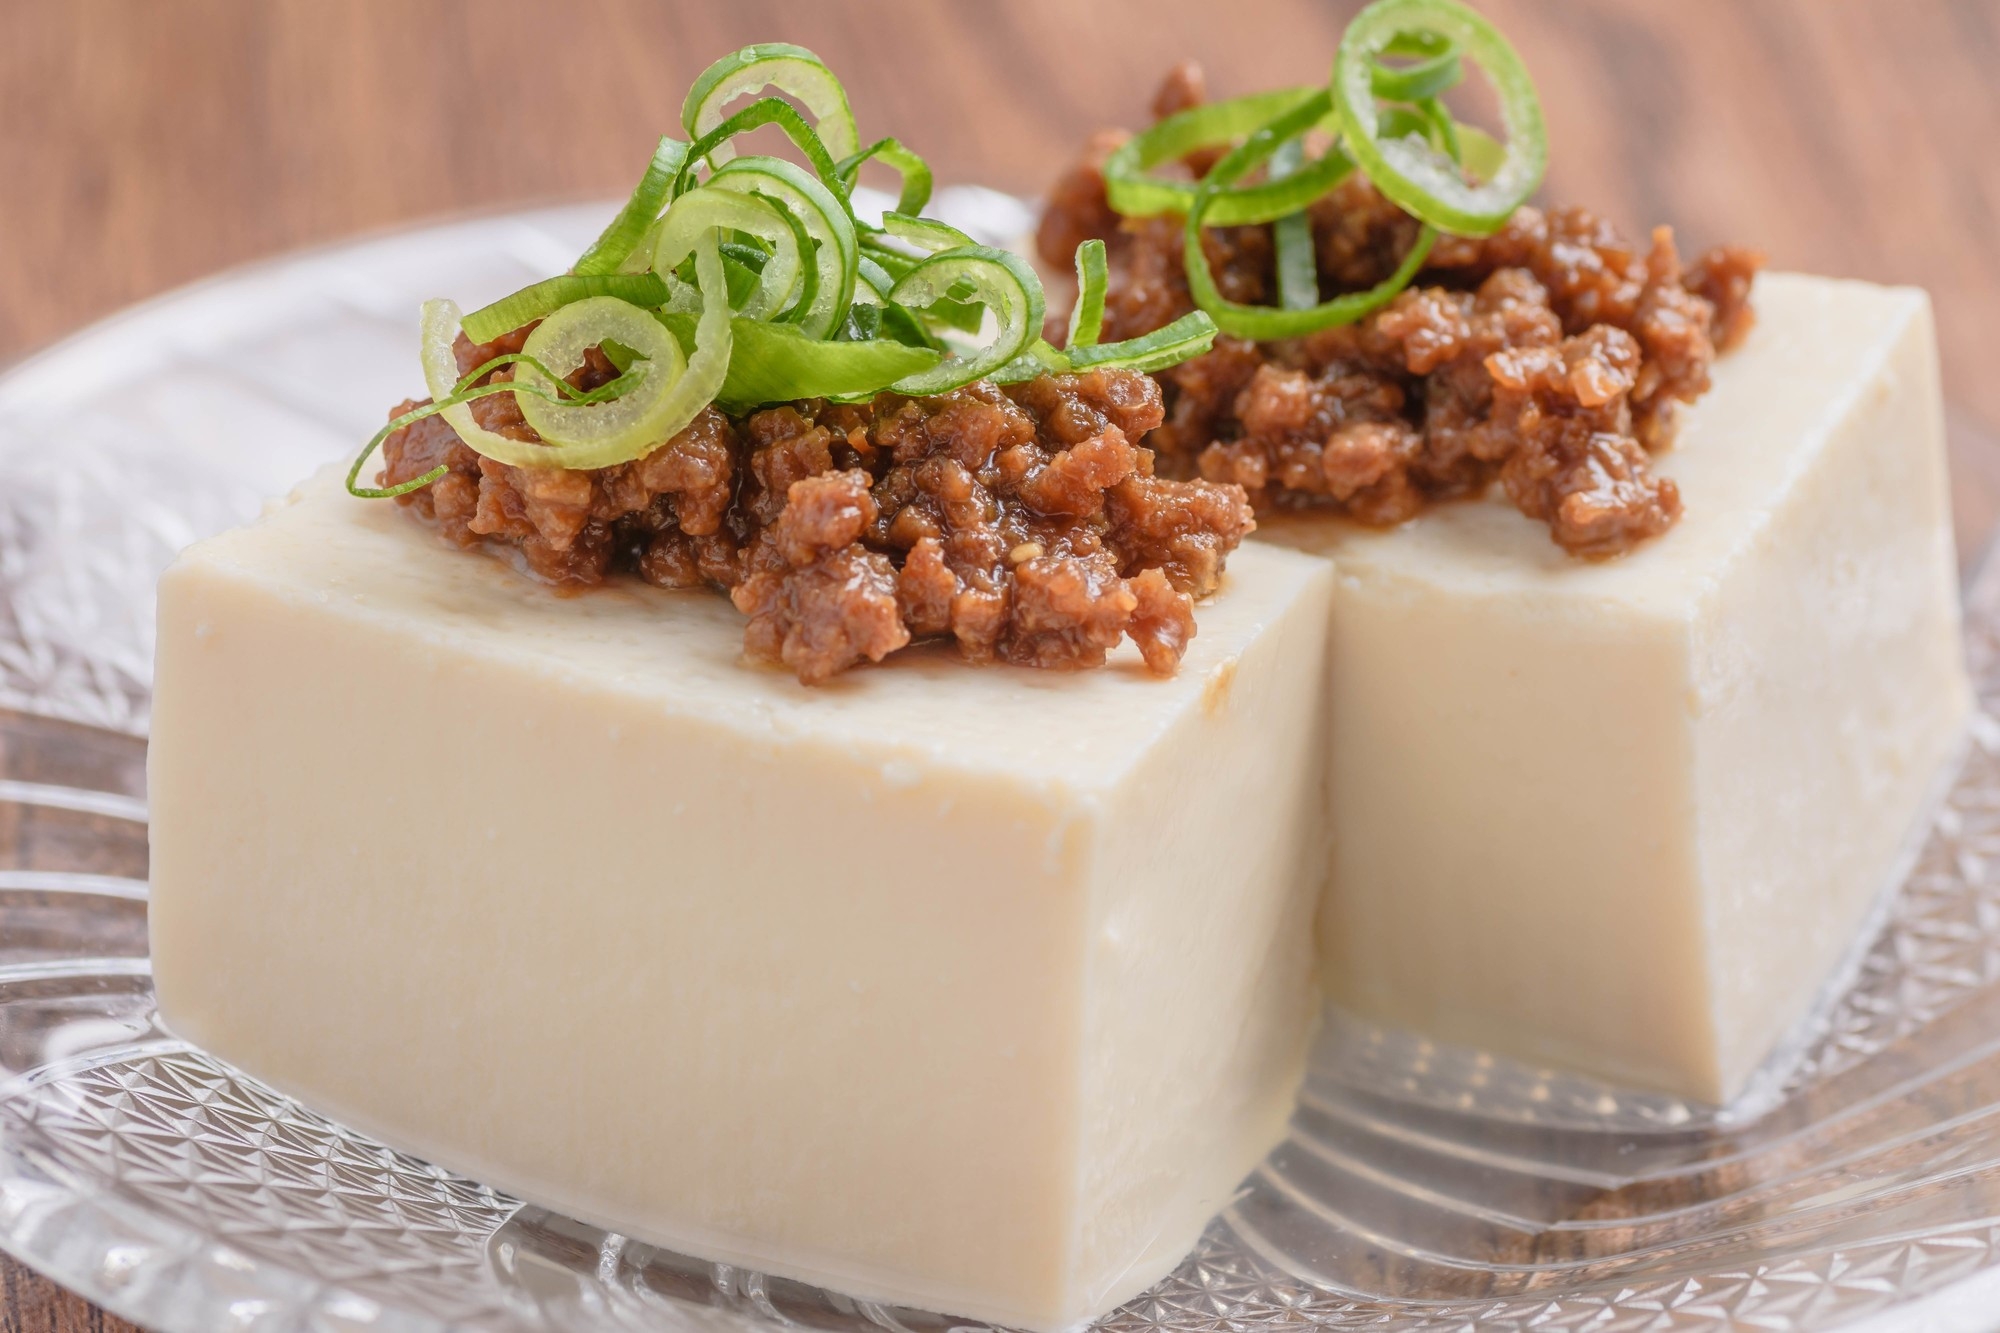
145,145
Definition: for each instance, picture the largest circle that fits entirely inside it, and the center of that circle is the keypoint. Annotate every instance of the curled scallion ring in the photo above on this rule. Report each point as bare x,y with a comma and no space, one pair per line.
543,298
1135,193
1266,322
625,232
916,173
599,434
1434,69
1093,276
1410,168
1002,282
792,70
701,211
834,253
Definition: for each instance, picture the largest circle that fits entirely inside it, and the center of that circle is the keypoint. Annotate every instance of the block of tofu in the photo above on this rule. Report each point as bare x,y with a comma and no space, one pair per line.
972,989
1628,817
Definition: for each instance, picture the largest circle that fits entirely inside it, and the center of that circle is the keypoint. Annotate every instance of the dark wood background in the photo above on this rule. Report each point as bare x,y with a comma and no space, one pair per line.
145,144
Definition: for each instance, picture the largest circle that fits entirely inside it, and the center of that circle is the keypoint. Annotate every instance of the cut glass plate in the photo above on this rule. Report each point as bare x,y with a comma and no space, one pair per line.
1423,1189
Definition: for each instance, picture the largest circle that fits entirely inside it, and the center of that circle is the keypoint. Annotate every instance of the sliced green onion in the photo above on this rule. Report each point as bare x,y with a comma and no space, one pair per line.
1135,193
544,298
743,278
702,211
876,282
833,250
864,322
666,399
564,389
889,259
1410,169
743,265
916,173
617,242
1444,130
775,363
769,111
1001,281
926,234
1039,359
466,393
360,492
873,276
792,70
626,427
1266,322
708,363
1086,320
641,258
1292,238
1190,335
438,329
806,294
1436,68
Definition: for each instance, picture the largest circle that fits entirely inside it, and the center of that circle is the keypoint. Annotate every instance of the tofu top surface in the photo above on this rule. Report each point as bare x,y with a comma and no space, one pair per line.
680,651
1819,344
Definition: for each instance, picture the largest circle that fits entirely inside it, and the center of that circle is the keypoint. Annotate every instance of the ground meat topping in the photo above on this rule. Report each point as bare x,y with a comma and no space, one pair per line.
1553,357
1025,525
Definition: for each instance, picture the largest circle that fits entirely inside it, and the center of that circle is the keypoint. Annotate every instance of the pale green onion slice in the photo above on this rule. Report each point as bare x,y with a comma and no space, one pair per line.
1039,359
468,390
1417,174
437,330
1190,335
617,242
767,111
699,213
792,70
805,292
1086,320
1133,192
1292,237
997,279
1435,67
1263,323
626,427
873,280
916,172
775,363
926,234
835,254
532,303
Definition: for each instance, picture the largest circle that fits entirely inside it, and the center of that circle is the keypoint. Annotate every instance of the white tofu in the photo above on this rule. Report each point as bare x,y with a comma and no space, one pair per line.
1627,817
971,989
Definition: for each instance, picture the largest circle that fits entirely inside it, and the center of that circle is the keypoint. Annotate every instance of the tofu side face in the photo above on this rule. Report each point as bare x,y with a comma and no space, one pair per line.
559,893
1626,817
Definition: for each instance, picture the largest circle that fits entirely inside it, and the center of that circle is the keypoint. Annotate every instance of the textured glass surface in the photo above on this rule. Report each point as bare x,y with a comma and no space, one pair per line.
1423,1189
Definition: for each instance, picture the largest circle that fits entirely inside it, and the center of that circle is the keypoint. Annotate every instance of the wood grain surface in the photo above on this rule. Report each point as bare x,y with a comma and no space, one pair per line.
145,144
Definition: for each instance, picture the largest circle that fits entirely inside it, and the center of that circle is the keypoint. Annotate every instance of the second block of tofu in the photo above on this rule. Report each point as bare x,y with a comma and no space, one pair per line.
1626,817
972,989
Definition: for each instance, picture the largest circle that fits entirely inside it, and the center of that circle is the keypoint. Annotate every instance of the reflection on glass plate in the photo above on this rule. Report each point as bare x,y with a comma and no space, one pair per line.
1423,1189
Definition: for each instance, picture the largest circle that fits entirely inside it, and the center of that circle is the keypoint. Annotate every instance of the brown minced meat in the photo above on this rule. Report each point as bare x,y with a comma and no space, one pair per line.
1553,357
1026,524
